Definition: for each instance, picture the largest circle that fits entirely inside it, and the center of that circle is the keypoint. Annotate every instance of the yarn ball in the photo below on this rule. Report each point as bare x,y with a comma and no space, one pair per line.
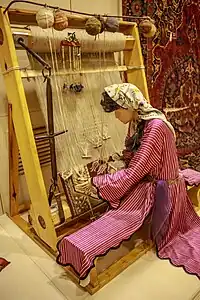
147,28
45,18
93,26
112,24
60,20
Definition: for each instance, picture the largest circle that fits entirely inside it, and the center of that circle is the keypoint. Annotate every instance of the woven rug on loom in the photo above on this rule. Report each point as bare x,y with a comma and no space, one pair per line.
172,60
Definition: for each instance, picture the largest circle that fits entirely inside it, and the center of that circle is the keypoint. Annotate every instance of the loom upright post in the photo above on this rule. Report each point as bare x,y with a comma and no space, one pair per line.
13,166
134,59
40,212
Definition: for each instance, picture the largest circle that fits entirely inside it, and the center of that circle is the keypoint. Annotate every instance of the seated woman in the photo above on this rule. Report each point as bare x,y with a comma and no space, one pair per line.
150,185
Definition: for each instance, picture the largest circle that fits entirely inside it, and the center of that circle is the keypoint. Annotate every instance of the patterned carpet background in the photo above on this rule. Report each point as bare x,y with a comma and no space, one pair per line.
172,60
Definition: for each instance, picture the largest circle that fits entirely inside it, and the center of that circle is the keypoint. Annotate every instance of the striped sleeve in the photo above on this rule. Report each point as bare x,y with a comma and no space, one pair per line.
113,187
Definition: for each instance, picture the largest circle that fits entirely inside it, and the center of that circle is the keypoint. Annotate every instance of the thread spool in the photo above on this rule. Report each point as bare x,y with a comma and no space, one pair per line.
60,20
93,26
45,18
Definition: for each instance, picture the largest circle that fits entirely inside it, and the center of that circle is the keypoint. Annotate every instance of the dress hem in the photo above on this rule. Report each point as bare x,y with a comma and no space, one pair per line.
116,247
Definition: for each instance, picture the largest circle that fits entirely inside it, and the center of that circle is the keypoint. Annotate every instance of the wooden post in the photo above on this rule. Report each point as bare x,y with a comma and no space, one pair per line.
13,166
42,221
134,59
94,276
194,195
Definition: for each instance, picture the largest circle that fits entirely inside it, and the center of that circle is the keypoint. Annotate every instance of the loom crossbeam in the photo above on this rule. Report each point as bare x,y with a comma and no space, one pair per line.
25,34
27,17
36,73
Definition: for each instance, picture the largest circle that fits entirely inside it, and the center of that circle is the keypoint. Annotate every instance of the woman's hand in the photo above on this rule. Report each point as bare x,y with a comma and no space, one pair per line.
86,187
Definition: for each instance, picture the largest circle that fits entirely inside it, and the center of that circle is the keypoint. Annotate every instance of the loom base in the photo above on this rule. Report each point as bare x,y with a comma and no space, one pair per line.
99,280
106,268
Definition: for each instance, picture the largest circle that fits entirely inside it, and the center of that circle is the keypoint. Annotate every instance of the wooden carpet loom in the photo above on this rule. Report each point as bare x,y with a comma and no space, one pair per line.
34,154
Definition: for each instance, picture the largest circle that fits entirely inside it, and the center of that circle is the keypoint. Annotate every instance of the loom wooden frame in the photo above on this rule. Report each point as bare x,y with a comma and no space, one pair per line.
21,135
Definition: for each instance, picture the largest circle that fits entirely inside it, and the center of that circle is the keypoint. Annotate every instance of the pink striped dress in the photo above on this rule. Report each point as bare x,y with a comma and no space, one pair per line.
131,200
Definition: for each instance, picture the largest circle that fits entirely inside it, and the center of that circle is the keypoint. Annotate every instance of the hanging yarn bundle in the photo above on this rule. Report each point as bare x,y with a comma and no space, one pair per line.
60,20
45,18
147,28
93,26
74,51
111,24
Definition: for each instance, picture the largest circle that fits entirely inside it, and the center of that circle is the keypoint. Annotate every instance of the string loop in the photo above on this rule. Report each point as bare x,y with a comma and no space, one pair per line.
44,73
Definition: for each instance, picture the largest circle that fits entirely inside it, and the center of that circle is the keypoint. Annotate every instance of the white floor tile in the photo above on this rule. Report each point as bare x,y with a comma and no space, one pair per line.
35,275
22,279
150,278
43,261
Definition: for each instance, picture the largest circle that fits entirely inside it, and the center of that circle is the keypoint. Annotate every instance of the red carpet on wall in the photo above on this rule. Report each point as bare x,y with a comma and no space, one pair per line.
172,60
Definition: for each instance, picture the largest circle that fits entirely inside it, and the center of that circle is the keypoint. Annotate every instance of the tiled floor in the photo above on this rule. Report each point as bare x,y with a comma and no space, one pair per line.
33,275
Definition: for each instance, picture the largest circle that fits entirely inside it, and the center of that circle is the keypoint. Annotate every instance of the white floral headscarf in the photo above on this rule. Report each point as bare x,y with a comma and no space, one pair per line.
128,96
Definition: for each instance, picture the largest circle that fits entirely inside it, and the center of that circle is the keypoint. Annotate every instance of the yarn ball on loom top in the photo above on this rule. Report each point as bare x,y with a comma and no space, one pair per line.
147,28
60,20
93,26
112,24
45,18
